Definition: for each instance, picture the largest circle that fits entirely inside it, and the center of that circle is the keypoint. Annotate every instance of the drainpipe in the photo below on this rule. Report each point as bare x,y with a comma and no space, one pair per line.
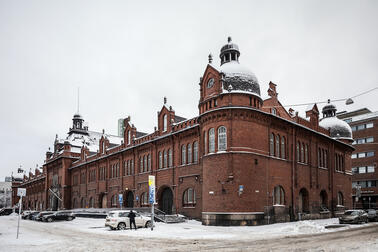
292,170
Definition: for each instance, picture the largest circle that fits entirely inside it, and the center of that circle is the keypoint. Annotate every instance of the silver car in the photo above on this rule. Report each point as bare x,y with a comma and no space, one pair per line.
120,220
354,216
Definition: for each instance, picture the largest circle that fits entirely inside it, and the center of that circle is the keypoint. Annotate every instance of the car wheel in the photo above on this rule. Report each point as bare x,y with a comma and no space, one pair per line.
69,218
148,224
49,220
121,226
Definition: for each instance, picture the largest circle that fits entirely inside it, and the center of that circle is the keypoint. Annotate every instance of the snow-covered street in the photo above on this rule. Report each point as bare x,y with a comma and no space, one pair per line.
84,234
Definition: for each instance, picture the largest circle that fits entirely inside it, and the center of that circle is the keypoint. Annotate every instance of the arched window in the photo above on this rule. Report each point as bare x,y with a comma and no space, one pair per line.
141,164
325,159
283,148
128,137
149,162
74,204
211,140
271,144
302,153
298,153
165,123
189,153
195,152
103,146
170,158
274,111
205,142
165,164
144,199
145,166
340,199
183,154
189,197
306,154
323,200
222,138
278,146
160,160
278,196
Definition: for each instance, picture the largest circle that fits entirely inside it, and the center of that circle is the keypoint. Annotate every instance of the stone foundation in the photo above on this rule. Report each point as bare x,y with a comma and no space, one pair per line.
232,219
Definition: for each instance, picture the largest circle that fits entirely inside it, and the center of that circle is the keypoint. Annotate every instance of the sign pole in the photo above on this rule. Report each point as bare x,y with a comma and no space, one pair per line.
151,185
19,213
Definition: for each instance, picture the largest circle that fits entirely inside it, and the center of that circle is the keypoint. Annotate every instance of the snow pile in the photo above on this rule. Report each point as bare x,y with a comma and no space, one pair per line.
304,227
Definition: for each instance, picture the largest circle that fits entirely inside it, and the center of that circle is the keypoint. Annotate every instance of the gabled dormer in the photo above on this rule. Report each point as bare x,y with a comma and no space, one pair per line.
313,114
104,144
130,132
84,152
210,87
166,118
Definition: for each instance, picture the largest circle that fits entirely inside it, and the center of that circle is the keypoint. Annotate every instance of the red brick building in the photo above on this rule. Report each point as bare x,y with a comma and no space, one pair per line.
242,161
364,124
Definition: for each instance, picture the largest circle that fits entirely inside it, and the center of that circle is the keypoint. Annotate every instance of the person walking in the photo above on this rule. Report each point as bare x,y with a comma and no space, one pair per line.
132,220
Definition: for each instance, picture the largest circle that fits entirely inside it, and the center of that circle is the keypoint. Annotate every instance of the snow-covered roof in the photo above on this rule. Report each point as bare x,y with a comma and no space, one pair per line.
338,128
362,117
239,78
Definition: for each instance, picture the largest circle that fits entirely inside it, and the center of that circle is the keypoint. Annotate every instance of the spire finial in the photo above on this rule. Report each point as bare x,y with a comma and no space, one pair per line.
210,58
229,39
165,100
329,101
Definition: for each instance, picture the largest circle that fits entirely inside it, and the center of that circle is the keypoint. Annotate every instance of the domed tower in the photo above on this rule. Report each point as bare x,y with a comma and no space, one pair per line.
229,112
339,129
230,84
77,121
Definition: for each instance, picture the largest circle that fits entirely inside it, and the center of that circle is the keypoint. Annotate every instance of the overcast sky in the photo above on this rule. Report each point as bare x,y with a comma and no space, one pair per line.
127,55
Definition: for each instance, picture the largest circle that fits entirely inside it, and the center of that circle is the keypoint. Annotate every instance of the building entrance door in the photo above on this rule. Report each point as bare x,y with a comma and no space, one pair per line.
130,200
166,201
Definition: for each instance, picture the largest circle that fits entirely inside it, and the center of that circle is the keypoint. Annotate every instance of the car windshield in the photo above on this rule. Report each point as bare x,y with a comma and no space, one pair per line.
351,213
111,214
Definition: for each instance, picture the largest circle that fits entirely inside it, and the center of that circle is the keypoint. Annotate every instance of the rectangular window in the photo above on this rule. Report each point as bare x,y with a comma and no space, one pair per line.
361,127
361,141
354,170
361,155
354,155
354,128
370,139
369,125
363,184
370,168
354,184
370,154
362,169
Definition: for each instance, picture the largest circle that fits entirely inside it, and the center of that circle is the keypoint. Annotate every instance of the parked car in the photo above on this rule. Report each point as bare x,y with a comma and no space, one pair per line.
33,215
27,215
120,220
354,216
39,216
6,211
372,215
60,215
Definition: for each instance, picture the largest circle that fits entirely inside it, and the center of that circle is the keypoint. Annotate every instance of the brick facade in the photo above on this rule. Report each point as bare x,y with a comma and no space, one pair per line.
236,163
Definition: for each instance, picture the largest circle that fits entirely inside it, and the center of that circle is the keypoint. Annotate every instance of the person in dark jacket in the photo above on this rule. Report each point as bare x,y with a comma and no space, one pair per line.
132,219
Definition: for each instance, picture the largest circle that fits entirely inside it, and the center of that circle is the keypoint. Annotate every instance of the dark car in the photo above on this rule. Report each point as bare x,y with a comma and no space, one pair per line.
39,216
27,214
32,215
372,215
354,216
60,215
6,211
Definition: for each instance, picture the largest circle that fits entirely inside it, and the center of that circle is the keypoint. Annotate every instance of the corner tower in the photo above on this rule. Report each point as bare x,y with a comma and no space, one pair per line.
230,84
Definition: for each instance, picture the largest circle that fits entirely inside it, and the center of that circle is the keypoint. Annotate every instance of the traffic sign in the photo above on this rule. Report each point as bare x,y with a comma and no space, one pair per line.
151,185
120,198
21,192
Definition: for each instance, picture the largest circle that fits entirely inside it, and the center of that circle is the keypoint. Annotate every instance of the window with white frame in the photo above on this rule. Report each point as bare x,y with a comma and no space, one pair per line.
211,140
340,199
271,144
195,152
278,196
170,158
222,138
278,145
165,123
145,168
189,197
183,154
189,153
165,164
283,148
160,160
149,162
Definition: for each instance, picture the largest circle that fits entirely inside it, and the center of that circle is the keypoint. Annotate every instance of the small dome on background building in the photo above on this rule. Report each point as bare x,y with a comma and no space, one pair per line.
236,76
338,128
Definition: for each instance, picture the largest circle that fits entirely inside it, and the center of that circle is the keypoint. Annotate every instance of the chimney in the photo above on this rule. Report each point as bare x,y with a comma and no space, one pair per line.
314,116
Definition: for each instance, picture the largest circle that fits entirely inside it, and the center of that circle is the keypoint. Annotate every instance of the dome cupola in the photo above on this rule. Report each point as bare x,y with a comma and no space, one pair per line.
236,78
229,52
339,129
